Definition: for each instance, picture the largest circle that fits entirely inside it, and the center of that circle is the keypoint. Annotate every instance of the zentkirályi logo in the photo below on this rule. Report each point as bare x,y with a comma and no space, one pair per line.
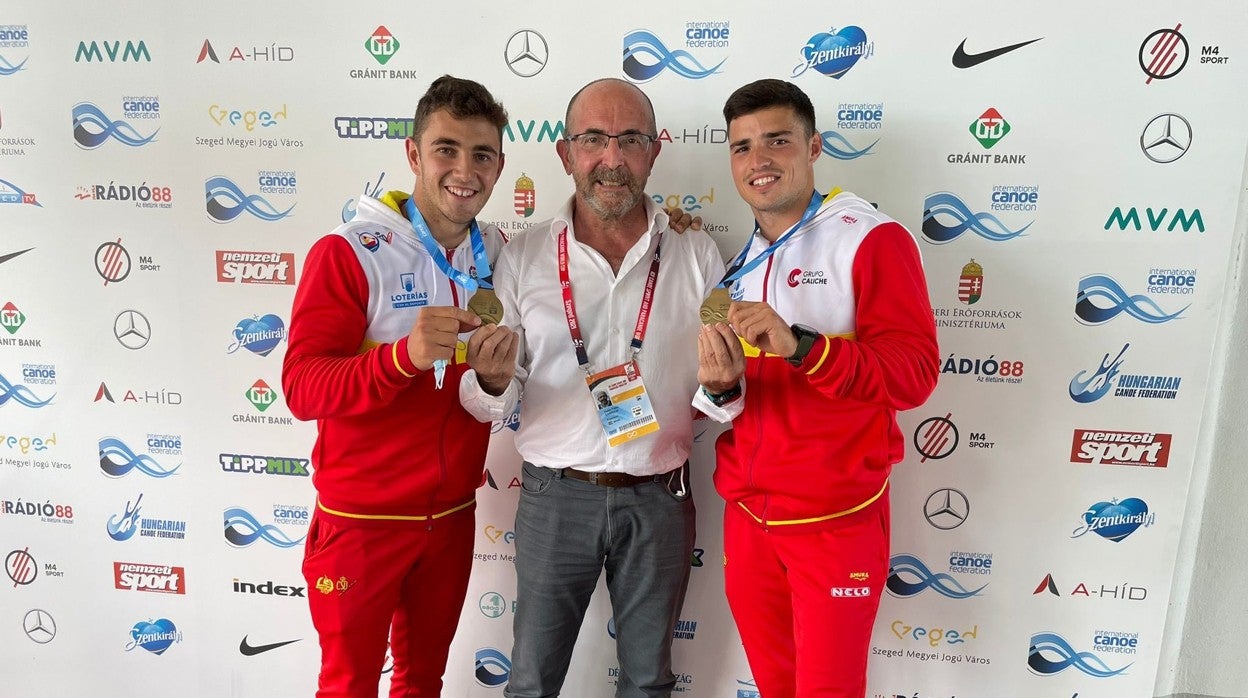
155,636
259,335
1100,298
1115,520
946,217
646,56
117,460
909,576
93,128
833,53
242,529
1051,654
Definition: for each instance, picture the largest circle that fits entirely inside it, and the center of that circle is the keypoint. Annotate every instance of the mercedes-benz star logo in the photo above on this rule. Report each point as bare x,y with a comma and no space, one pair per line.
526,53
39,626
132,329
1165,138
946,508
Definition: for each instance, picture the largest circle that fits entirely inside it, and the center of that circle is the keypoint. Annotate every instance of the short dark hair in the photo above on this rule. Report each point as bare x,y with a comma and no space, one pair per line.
464,99
767,93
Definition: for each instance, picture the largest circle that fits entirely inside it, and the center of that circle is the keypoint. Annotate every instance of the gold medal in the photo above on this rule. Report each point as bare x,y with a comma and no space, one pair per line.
485,305
715,307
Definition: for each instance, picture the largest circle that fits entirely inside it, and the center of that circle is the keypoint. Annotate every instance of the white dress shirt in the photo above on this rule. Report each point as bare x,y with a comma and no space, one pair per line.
559,426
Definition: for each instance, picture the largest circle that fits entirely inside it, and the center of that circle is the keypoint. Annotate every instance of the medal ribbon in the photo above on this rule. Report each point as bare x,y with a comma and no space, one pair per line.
569,306
484,275
739,268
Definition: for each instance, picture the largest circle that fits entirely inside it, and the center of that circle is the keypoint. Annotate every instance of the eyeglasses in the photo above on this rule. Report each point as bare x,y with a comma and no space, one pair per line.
596,142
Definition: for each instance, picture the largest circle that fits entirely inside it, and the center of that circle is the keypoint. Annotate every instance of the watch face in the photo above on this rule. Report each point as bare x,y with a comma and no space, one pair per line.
805,330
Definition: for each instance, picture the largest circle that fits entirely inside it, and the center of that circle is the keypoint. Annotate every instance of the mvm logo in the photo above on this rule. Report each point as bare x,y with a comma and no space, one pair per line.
546,132
112,49
1156,219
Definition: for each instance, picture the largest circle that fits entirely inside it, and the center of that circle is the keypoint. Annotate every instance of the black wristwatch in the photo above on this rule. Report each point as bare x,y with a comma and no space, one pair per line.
806,337
721,399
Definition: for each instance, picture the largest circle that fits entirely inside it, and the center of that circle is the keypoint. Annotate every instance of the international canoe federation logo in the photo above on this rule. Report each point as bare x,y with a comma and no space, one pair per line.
39,626
225,201
242,529
117,459
1115,520
908,576
526,196
21,567
526,53
971,283
1051,654
990,128
10,193
155,636
946,217
493,667
1163,54
838,146
834,53
21,394
112,262
1166,138
259,335
370,189
93,128
946,508
7,68
381,45
936,437
1100,299
645,56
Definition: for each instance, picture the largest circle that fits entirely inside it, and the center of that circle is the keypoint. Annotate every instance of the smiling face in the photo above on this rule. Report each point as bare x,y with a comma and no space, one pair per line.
610,183
773,164
456,163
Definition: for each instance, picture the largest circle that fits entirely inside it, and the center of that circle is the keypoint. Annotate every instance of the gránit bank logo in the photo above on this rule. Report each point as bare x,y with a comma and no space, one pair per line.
834,52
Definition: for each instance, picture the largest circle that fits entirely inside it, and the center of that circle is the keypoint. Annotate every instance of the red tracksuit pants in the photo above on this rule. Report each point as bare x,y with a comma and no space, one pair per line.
805,603
368,583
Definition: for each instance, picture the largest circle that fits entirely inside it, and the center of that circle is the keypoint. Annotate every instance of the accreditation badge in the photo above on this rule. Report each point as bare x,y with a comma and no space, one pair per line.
715,307
485,305
623,404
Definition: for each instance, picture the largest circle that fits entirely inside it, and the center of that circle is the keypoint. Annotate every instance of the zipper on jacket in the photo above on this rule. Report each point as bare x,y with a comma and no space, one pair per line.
758,439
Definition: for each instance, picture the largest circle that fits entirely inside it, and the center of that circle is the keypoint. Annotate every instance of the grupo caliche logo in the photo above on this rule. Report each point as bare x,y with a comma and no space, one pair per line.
646,56
909,576
269,465
493,667
1051,654
1163,54
10,193
161,579
13,36
242,529
834,52
257,334
155,636
946,216
225,201
1092,385
239,267
21,394
1100,298
1115,520
1094,447
806,277
117,459
93,128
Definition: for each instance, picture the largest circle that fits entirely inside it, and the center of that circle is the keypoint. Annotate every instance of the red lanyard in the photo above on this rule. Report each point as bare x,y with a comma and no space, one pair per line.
569,307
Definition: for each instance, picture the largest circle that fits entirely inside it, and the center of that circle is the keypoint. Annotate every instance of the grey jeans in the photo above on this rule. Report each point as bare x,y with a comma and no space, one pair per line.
567,532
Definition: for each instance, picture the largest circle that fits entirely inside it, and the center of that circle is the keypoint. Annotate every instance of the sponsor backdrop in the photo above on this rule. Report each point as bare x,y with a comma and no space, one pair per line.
1071,175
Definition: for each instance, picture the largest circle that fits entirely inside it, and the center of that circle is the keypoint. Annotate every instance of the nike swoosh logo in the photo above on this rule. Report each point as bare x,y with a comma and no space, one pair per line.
251,651
11,255
962,59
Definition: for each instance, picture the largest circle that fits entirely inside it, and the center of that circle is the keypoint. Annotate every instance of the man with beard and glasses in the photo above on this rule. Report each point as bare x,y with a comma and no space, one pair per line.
605,422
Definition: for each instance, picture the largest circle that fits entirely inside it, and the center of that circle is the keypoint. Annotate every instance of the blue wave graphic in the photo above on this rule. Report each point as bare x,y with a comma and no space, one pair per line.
1094,387
242,529
941,583
1100,286
493,667
123,526
113,450
1086,662
222,188
20,394
641,43
984,225
92,128
839,147
7,68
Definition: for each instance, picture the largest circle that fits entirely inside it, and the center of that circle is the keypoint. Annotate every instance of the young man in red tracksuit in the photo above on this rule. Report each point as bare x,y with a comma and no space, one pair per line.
379,322
831,305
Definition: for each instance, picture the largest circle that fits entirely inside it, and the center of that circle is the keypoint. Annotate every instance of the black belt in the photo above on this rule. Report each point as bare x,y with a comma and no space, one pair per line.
609,479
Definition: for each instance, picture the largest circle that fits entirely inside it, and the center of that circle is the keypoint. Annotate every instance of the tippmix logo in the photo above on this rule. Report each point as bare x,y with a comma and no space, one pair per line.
268,465
93,128
646,56
946,216
834,52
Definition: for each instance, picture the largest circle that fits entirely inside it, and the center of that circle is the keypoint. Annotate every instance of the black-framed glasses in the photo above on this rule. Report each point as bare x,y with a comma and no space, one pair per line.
596,141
